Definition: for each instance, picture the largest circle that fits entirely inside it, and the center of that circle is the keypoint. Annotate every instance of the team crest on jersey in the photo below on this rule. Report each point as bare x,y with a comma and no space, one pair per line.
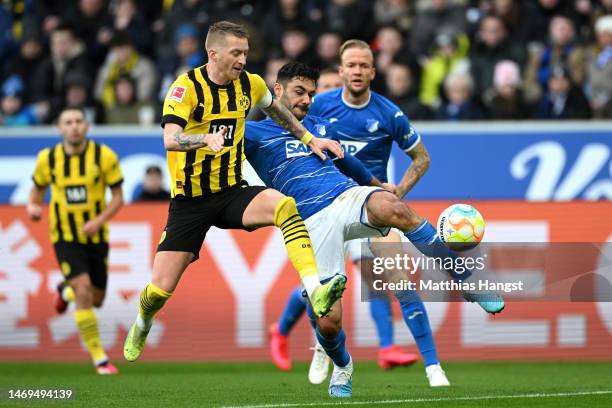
295,148
177,93
372,125
244,102
320,129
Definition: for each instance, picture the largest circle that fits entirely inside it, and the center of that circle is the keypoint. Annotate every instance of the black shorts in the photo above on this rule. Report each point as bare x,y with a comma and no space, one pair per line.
75,259
189,219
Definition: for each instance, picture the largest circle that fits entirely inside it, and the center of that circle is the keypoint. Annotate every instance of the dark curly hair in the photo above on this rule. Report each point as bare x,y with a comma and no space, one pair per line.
296,69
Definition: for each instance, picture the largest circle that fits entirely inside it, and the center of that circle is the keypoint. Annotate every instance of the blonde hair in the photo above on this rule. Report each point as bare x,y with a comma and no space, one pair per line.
221,29
354,43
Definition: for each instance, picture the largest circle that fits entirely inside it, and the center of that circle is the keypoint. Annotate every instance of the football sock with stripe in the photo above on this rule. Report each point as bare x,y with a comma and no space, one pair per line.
88,328
426,239
297,242
152,299
417,321
295,307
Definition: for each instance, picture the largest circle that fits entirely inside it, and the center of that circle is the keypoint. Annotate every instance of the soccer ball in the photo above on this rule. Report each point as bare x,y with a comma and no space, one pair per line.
461,227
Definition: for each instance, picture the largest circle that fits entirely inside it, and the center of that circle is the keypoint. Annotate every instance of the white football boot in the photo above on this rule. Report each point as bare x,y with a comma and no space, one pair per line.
319,366
436,376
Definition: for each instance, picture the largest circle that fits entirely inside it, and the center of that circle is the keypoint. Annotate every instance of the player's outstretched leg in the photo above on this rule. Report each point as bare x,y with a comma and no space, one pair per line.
332,338
385,209
301,255
279,332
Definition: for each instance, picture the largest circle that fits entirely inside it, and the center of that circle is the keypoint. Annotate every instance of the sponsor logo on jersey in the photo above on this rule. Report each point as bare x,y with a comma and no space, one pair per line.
352,147
372,125
76,194
295,148
177,93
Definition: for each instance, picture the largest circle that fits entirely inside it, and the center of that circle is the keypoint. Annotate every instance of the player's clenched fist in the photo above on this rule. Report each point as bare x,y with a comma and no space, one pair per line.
34,211
215,141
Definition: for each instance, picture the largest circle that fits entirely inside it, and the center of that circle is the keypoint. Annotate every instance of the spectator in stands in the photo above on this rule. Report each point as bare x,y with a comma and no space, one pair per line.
283,15
505,101
403,89
349,18
91,21
127,110
13,112
29,58
561,50
431,17
393,12
452,49
459,88
123,59
296,46
600,70
127,18
563,100
511,12
538,16
491,46
389,43
329,79
188,49
152,186
67,55
78,93
328,49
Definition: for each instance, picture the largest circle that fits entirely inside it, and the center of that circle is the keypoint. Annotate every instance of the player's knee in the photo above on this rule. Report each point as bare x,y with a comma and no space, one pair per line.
98,301
330,326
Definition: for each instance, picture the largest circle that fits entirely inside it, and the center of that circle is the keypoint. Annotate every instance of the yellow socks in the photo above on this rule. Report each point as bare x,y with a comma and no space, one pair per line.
152,299
88,327
297,242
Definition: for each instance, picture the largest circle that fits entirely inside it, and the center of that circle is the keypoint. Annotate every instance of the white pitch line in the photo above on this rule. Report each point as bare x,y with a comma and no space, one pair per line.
405,401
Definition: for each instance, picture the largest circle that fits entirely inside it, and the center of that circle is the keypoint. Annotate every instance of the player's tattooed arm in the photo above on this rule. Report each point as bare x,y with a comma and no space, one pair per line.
177,140
418,167
283,116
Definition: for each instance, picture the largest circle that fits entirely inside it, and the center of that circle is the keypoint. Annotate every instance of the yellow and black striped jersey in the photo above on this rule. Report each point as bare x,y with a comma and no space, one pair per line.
78,186
200,106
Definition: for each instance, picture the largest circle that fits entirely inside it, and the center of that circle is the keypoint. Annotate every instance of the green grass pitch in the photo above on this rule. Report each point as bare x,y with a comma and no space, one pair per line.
145,385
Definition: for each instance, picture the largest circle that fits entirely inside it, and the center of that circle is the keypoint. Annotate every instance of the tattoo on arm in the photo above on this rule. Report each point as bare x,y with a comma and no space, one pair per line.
418,167
281,115
188,142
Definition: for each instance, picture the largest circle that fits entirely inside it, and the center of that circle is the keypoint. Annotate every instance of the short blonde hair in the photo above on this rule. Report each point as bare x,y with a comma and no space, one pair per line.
221,29
354,43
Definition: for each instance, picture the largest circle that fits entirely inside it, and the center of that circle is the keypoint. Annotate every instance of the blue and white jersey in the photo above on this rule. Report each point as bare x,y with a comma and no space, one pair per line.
289,166
368,131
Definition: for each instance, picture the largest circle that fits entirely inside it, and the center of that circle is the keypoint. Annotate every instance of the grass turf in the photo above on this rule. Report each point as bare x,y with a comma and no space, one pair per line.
146,385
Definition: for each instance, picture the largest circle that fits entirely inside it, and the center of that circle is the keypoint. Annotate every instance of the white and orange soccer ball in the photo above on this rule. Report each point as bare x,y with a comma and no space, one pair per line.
461,227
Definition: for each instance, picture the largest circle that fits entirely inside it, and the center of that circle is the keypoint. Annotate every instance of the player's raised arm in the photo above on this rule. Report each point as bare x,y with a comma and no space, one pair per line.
281,115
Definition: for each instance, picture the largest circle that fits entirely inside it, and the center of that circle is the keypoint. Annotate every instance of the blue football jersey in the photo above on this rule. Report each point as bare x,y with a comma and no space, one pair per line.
289,166
367,132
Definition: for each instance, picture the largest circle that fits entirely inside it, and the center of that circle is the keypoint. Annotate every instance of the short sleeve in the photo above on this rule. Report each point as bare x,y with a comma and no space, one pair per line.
180,102
403,133
260,92
42,171
111,171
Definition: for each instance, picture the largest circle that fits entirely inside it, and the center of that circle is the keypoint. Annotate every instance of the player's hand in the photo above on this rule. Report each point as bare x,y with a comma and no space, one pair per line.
34,211
92,227
215,141
318,145
390,187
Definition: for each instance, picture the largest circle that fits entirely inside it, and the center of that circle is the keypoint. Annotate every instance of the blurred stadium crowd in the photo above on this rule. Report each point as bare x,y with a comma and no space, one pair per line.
437,59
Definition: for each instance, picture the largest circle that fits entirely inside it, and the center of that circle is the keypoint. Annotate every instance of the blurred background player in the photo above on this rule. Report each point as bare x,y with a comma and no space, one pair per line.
370,123
329,79
78,171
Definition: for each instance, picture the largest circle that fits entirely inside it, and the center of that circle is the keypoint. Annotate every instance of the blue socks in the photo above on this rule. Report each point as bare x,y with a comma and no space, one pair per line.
380,309
417,321
296,305
426,239
335,348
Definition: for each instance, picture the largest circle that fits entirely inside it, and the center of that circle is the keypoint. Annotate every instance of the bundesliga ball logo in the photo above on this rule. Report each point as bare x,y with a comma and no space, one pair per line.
461,227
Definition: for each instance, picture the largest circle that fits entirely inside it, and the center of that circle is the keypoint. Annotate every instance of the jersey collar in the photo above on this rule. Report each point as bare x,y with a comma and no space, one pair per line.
350,105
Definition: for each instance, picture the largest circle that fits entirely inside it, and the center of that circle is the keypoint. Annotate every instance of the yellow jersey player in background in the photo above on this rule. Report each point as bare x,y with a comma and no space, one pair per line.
78,171
204,117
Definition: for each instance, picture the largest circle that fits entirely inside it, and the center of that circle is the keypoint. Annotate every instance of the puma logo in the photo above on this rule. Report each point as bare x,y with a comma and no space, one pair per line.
171,106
